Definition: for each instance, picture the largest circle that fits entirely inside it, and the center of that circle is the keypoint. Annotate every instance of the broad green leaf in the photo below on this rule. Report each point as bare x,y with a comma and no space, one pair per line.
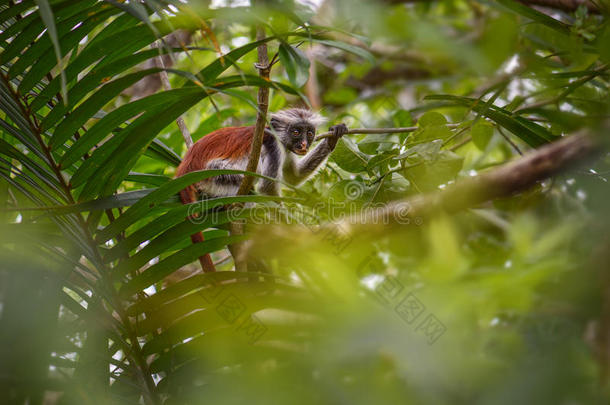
167,315
254,297
93,104
25,137
14,10
214,69
383,161
429,175
180,362
113,49
425,151
429,133
30,27
530,132
49,21
106,125
481,134
402,118
158,150
295,63
157,197
191,285
86,84
42,173
175,216
114,201
432,118
147,126
177,233
167,266
499,39
46,59
114,164
535,15
213,122
348,157
371,143
363,53
433,125
148,179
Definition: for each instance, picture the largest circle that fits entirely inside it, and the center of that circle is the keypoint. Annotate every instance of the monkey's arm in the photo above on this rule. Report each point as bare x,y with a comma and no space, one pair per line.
295,172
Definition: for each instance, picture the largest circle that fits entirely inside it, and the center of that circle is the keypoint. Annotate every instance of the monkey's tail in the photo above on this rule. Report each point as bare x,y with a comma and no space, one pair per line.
188,196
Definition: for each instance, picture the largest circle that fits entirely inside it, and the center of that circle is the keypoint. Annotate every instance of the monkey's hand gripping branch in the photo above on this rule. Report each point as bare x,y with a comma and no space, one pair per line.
336,132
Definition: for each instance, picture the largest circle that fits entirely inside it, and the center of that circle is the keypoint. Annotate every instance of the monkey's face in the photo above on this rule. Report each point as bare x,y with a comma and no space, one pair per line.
299,137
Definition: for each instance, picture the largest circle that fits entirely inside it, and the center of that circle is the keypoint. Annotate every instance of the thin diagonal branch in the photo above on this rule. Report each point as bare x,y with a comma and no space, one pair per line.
398,130
186,134
504,181
564,5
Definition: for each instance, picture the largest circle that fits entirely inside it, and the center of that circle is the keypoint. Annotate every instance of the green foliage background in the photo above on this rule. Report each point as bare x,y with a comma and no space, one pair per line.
100,301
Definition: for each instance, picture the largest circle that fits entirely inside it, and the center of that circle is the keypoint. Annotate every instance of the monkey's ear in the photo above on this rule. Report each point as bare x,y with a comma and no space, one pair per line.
275,123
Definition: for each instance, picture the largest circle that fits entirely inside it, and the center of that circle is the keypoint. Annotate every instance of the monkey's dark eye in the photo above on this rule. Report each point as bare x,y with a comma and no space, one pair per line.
309,134
295,132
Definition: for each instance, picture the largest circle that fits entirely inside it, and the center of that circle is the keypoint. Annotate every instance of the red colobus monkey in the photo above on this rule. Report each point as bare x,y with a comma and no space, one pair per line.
292,132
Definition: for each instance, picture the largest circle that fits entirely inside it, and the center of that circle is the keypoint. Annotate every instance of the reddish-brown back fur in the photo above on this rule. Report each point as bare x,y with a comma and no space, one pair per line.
226,143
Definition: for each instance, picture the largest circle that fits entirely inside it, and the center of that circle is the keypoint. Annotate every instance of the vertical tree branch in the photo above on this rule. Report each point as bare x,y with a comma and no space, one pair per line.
239,250
261,115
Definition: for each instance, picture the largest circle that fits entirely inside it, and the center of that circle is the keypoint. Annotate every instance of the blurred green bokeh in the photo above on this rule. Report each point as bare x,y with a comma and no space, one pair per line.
101,300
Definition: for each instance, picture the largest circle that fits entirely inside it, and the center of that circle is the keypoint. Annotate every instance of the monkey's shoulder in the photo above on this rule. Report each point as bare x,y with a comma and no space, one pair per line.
233,136
241,133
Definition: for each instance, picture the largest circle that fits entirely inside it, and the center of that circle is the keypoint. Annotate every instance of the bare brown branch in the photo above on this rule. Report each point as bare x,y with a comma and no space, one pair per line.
239,250
502,182
261,115
312,87
152,83
186,134
507,180
398,130
565,5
